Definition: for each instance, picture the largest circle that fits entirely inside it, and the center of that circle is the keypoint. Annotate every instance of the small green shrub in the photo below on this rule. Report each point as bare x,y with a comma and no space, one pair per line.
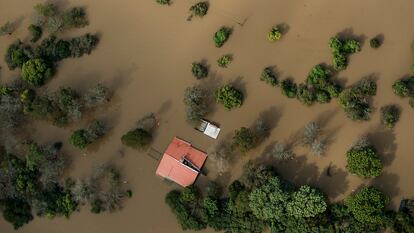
35,32
75,18
375,43
199,9
36,72
402,88
81,138
244,139
7,29
221,36
196,100
340,49
305,95
163,2
269,76
289,88
137,138
390,114
229,96
363,162
274,34
17,54
199,70
224,61
323,97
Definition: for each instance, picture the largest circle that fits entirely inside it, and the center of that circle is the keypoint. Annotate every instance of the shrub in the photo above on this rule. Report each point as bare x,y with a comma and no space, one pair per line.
7,29
16,211
274,34
341,49
75,18
365,87
368,205
363,161
137,138
35,32
97,95
323,97
289,88
311,132
244,139
319,77
281,152
82,45
221,36
402,88
46,9
81,138
199,9
224,61
196,100
17,54
269,76
390,114
163,2
36,72
306,202
229,96
375,43
199,70
305,95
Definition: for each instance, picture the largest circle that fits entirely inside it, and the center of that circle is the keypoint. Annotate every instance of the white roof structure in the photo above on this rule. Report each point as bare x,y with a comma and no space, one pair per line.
209,129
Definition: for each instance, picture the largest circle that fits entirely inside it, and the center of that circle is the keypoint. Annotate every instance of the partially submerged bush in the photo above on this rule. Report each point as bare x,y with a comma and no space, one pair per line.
81,138
221,36
229,96
36,72
196,100
340,49
7,29
404,87
35,32
17,54
137,138
199,9
274,34
363,161
224,61
375,43
199,70
244,139
163,2
269,76
390,114
289,88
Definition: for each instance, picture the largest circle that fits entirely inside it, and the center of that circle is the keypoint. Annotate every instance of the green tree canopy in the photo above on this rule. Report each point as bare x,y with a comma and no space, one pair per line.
306,202
229,96
36,72
244,139
364,162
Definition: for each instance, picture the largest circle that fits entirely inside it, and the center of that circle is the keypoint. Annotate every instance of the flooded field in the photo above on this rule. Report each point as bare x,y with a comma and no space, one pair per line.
145,55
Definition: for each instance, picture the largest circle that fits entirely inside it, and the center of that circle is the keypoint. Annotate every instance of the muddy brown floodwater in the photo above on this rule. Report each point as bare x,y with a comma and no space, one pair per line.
145,55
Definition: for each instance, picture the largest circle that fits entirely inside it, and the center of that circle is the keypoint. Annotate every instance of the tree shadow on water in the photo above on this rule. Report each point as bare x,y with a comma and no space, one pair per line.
385,142
388,184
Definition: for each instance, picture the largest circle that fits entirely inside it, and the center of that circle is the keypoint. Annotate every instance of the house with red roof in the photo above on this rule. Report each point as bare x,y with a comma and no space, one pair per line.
181,162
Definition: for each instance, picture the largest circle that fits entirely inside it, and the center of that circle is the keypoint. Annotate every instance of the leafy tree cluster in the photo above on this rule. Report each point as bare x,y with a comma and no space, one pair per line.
375,42
229,96
65,105
199,9
269,76
312,139
221,36
224,61
35,32
354,100
405,88
197,101
81,138
199,70
363,160
244,139
141,136
390,114
163,2
341,49
7,29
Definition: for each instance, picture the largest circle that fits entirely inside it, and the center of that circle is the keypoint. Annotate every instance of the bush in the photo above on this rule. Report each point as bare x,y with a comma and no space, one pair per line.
375,43
199,9
341,49
269,76
35,32
196,100
137,138
274,34
244,139
17,54
363,162
229,96
199,70
82,45
319,77
46,10
390,114
224,61
221,36
368,205
323,97
75,18
81,138
365,87
402,88
36,72
305,95
16,211
163,2
289,88
97,95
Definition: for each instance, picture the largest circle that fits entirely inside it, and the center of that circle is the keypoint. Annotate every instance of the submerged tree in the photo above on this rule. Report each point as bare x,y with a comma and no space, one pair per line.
363,160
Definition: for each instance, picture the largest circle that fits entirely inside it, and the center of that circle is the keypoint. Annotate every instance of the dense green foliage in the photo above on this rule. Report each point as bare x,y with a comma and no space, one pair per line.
229,96
75,18
81,138
274,34
375,43
221,36
354,100
35,32
199,9
163,2
306,202
244,139
137,138
368,205
404,87
16,211
340,49
17,54
289,88
7,29
363,161
390,114
224,61
36,72
269,76
199,70
196,100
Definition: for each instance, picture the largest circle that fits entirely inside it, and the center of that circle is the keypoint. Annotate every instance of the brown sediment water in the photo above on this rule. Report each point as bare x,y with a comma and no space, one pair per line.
145,55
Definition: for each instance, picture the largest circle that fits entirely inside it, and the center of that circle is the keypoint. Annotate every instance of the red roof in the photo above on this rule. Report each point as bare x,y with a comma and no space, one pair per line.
172,166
